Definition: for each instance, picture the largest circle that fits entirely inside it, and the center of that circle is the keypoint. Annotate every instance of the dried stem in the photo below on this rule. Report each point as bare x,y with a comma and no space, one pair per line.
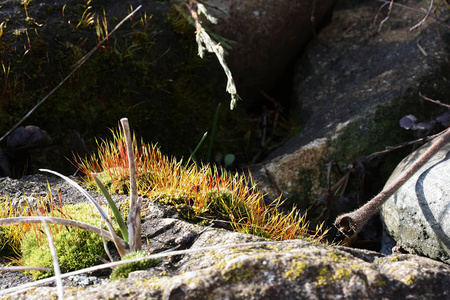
432,15
58,221
434,101
351,223
134,215
56,267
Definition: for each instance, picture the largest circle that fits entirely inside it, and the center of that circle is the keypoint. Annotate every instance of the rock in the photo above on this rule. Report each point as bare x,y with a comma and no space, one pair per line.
15,159
269,34
417,215
26,138
353,84
291,269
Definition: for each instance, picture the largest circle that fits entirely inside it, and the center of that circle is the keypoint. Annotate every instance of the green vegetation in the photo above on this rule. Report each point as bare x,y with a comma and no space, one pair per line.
194,190
76,248
122,271
148,70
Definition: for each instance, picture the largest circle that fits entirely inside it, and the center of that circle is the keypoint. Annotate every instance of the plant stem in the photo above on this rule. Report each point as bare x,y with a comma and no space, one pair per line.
59,221
134,215
351,223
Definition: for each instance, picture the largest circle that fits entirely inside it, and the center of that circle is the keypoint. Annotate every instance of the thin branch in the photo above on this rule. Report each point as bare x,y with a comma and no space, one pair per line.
388,15
392,148
134,215
432,15
76,67
424,18
434,101
351,223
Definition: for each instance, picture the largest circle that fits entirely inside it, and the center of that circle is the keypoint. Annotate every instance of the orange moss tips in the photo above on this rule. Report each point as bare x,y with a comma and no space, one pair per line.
197,190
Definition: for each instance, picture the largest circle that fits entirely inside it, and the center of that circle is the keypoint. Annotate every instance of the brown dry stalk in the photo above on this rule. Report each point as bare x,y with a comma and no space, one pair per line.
134,215
351,223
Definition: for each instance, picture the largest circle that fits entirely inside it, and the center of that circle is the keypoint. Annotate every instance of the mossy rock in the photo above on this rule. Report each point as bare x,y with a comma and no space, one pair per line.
122,271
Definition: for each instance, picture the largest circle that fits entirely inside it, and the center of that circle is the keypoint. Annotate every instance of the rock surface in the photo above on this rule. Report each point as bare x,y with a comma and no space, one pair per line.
353,84
269,35
292,269
417,215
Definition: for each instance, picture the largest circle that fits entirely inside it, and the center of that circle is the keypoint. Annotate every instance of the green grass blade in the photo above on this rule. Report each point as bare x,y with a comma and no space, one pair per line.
198,146
213,132
115,210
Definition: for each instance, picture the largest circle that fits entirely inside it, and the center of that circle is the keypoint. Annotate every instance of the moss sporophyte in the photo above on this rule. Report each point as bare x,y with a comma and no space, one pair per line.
194,190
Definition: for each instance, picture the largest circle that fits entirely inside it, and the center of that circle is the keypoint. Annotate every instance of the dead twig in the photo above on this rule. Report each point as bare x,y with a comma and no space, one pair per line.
432,15
434,101
424,19
351,223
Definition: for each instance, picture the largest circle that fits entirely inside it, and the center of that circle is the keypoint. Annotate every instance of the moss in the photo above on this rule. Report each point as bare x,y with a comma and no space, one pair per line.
296,270
149,72
379,281
122,271
409,280
76,249
237,272
326,277
336,256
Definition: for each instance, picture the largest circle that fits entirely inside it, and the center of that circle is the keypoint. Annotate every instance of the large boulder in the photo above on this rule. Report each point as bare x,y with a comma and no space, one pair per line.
269,35
417,215
353,84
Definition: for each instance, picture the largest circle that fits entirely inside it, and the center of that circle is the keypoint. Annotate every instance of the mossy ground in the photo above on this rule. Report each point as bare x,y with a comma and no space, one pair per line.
148,71
76,249
122,271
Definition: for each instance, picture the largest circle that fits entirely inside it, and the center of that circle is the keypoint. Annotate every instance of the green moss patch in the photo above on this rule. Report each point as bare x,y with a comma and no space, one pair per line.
122,271
75,248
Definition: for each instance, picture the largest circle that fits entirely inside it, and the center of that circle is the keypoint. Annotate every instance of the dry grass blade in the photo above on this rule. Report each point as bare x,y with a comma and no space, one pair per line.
22,268
55,220
56,268
120,244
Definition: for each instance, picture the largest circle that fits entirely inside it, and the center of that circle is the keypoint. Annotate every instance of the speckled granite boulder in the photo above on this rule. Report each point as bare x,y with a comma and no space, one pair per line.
418,215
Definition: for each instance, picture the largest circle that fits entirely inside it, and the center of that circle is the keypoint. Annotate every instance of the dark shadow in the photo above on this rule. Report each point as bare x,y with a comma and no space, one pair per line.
428,214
